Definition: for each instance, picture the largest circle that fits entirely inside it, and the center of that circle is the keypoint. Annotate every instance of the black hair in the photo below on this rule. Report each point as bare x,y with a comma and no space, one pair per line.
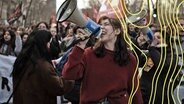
46,24
10,43
34,48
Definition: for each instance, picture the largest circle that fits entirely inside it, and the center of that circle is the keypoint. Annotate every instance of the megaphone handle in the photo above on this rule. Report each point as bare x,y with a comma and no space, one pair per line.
75,42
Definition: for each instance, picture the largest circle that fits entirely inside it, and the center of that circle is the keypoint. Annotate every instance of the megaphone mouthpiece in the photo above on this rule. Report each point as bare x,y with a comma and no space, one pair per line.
93,27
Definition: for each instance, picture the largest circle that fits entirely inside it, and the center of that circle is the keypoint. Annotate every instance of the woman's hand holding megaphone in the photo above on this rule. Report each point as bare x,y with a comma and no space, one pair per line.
83,38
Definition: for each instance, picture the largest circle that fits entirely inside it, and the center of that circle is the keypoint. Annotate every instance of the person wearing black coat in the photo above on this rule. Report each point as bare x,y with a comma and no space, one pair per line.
156,83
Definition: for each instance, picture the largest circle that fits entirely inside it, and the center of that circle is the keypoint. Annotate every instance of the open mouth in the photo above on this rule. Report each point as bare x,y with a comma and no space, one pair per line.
103,32
6,39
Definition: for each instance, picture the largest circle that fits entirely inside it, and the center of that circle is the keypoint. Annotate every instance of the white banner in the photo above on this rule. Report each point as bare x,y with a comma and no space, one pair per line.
6,66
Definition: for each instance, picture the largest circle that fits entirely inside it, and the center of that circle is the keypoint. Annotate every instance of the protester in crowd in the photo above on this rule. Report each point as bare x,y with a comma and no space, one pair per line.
42,25
148,81
153,27
1,32
12,28
55,43
69,30
11,43
20,30
29,29
180,25
106,70
61,30
142,41
140,45
69,36
24,37
131,31
35,80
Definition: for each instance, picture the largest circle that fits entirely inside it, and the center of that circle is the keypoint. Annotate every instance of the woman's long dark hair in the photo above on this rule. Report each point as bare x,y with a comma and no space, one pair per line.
35,48
46,24
121,54
10,43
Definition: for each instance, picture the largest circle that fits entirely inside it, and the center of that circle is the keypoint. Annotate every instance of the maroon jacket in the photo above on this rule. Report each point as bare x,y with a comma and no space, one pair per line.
102,77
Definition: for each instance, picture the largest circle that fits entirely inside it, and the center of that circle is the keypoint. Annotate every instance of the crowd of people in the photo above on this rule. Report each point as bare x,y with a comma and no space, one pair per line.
50,62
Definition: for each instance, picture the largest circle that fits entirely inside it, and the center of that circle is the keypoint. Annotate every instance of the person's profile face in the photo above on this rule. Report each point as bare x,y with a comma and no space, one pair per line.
181,26
157,37
48,44
24,38
108,33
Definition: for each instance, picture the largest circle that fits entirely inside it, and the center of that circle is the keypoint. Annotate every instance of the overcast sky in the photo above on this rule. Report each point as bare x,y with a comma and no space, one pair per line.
84,3
80,3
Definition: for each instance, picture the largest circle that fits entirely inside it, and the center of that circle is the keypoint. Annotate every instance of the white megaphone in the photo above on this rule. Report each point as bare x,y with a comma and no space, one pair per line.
140,20
69,11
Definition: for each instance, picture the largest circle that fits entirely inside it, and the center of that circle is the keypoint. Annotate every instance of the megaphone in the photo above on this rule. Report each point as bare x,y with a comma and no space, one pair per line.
68,11
140,20
137,18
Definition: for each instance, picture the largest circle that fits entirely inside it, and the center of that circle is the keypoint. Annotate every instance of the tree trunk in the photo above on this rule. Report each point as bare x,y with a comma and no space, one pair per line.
8,9
28,12
1,9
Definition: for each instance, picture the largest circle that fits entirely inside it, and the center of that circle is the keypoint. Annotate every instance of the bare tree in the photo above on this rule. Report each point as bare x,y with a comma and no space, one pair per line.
28,10
1,8
8,8
95,3
40,10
